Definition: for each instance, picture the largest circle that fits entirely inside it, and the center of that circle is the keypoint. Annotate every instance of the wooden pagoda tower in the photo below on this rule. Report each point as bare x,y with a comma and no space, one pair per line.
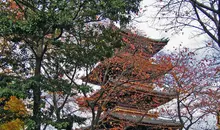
129,92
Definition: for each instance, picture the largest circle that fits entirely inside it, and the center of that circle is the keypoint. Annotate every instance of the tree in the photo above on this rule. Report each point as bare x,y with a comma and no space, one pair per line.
201,15
47,39
13,112
120,76
192,80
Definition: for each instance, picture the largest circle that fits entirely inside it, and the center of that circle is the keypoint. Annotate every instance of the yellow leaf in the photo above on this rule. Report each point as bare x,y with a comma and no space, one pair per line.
16,124
15,105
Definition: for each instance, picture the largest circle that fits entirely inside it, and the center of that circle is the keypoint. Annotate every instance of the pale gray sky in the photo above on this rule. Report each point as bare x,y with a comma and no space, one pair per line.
185,38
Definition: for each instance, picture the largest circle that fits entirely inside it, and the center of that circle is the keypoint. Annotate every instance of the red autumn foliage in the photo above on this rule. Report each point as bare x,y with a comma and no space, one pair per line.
127,79
192,80
10,6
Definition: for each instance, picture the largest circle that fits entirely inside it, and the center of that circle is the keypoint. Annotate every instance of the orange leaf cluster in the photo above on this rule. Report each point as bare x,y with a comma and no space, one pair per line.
15,105
11,7
132,66
16,124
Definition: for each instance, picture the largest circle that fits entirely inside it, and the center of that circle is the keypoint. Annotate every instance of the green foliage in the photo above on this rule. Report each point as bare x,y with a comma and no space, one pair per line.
11,86
45,41
84,88
30,124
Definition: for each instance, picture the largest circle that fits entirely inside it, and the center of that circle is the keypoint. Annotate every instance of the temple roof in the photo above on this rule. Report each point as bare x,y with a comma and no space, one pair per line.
138,118
131,71
126,81
133,97
137,42
146,121
136,47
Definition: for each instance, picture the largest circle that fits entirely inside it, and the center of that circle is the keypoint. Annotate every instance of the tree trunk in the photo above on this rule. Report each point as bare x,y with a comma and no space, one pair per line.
36,96
93,119
218,23
179,111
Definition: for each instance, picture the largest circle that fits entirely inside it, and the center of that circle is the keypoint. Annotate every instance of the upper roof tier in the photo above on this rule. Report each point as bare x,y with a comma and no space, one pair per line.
134,58
138,43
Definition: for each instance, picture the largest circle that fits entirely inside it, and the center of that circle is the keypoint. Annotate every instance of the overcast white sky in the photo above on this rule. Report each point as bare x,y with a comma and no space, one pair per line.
184,37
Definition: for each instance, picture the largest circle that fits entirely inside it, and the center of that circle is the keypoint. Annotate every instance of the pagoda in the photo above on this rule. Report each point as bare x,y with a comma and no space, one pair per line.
127,90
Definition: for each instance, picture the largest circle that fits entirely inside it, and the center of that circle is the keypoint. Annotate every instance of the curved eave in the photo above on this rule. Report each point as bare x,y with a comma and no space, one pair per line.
146,121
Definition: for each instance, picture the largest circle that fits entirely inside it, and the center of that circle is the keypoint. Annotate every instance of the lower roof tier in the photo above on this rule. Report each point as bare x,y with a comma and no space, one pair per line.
142,121
130,98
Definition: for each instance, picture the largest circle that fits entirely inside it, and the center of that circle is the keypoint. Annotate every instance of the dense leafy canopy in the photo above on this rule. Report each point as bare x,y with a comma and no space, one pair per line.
44,42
